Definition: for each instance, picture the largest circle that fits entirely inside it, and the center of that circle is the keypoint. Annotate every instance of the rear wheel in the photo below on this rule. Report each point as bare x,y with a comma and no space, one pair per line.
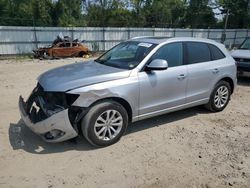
220,97
105,123
81,54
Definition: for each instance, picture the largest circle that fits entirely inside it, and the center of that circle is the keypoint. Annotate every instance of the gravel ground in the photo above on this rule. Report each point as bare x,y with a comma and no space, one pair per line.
189,148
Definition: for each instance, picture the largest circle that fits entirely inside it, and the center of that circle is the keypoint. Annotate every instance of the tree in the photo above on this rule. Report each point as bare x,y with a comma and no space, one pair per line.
4,12
41,12
24,12
68,13
3,6
108,13
200,15
139,11
18,12
239,12
124,13
95,16
164,13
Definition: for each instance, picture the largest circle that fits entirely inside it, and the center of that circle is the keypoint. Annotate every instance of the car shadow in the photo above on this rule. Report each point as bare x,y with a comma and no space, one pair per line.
166,119
21,137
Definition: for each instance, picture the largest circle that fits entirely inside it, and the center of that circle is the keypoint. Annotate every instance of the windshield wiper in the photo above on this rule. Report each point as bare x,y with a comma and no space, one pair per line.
100,61
244,48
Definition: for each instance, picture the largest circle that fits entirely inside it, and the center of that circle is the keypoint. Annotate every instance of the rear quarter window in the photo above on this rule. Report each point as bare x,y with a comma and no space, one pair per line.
197,52
216,53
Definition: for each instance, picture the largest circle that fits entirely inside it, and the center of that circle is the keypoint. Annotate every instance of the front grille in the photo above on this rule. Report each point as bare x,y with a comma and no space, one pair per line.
42,105
242,60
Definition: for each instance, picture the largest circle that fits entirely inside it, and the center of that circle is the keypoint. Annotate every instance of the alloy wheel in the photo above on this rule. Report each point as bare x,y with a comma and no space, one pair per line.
221,97
108,125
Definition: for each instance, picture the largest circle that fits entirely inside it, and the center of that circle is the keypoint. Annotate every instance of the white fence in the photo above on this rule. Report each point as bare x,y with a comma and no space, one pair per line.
22,40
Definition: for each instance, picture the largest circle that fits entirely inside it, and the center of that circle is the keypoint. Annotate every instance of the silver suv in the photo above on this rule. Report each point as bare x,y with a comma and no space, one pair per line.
137,79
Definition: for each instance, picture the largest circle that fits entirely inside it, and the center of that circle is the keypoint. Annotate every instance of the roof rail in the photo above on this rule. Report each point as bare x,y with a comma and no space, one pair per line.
142,37
152,37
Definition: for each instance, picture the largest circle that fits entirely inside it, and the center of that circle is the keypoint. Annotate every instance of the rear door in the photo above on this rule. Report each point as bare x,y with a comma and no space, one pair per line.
203,70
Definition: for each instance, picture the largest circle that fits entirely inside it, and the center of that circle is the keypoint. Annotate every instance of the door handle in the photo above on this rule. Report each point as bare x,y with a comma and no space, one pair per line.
181,76
215,71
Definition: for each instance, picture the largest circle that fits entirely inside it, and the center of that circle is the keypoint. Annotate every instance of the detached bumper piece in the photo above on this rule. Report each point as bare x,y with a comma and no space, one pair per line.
50,121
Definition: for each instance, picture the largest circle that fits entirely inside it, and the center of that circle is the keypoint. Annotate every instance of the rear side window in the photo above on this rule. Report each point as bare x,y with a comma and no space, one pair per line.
172,53
197,52
216,52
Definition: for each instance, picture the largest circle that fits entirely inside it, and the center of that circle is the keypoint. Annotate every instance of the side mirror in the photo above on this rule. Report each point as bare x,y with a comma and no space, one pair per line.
157,64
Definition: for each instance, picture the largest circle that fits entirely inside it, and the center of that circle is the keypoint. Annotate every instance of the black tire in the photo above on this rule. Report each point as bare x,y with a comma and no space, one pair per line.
211,104
88,123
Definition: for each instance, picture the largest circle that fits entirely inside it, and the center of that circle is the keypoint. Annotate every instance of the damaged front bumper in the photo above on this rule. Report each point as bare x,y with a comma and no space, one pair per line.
55,127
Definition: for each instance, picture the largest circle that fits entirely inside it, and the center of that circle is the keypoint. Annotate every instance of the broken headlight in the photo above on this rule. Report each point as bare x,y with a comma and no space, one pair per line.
42,104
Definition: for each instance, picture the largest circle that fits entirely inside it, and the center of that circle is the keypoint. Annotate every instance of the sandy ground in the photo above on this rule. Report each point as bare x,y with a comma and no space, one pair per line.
189,148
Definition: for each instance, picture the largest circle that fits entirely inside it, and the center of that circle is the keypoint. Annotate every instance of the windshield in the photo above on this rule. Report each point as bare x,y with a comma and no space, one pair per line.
126,55
245,45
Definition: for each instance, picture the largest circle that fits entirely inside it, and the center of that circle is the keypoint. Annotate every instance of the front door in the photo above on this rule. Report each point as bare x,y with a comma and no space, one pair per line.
164,89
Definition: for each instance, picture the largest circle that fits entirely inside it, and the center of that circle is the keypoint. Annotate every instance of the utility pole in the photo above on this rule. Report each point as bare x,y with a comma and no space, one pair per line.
223,36
34,30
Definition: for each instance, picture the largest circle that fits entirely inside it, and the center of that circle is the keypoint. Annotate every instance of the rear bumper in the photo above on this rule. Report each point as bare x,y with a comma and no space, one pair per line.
59,122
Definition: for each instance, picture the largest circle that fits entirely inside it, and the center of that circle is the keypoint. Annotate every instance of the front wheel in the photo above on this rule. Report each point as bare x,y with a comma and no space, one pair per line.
220,97
81,54
105,123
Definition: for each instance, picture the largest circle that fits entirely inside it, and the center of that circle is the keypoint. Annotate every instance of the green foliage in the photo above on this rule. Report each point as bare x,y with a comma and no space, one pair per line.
41,13
164,13
199,15
68,13
239,12
112,13
125,13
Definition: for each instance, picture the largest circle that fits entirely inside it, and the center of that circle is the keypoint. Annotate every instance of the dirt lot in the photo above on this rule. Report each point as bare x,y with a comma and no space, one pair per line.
189,148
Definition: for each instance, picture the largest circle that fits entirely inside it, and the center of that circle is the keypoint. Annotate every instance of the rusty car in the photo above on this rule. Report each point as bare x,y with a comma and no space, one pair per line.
61,48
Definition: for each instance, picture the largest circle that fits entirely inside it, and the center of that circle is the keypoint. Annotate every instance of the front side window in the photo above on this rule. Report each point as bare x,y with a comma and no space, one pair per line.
197,52
126,55
172,53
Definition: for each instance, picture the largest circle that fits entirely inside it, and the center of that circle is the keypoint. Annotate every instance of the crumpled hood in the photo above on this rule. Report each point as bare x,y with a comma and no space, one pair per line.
241,54
77,75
